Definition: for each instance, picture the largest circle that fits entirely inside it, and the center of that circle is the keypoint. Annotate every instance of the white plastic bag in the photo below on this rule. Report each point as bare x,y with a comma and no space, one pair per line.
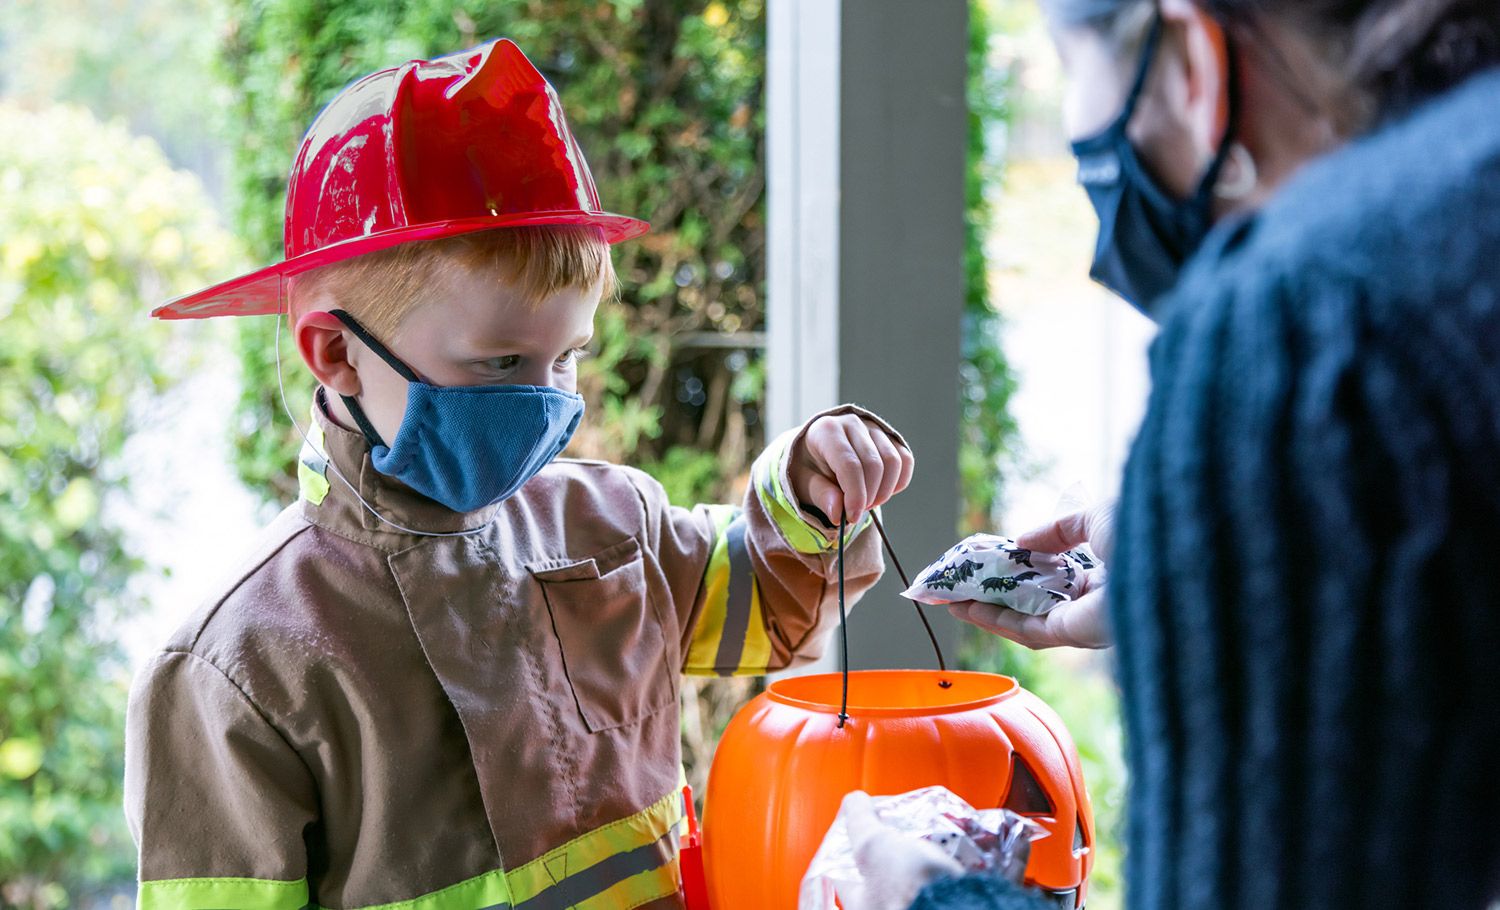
994,841
994,570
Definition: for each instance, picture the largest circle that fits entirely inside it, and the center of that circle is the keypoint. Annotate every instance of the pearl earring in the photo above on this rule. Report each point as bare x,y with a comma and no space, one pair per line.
1246,175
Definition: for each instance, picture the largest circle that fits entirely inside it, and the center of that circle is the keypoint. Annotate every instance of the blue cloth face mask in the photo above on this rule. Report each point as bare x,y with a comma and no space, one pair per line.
1145,235
467,447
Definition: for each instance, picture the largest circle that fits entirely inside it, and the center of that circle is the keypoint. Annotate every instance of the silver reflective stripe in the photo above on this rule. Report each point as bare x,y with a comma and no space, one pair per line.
737,609
605,874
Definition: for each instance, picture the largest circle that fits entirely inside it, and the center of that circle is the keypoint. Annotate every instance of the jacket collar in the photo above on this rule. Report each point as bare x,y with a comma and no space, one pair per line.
335,465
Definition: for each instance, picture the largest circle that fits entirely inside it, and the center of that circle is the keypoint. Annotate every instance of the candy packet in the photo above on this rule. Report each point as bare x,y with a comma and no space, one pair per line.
989,841
994,570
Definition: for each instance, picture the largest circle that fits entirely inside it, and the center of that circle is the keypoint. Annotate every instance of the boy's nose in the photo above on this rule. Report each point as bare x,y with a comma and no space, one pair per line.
539,375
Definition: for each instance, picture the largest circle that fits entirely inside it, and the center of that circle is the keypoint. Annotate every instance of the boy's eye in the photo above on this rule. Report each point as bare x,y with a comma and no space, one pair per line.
572,357
504,364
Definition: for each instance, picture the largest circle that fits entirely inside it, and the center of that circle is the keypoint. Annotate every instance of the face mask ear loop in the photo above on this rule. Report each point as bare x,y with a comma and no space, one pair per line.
374,344
281,388
1148,56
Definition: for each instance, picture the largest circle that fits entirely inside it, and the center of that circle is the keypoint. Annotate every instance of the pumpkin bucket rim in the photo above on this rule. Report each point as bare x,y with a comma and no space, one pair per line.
970,691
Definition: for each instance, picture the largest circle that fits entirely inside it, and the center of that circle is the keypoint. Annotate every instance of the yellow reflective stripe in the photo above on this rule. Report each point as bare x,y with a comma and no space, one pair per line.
639,830
313,487
710,628
221,894
482,892
768,477
757,654
641,833
730,638
636,890
312,464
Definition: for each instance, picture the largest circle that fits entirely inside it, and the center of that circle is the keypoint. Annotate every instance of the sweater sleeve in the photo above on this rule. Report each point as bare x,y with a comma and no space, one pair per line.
1306,612
755,586
216,800
978,892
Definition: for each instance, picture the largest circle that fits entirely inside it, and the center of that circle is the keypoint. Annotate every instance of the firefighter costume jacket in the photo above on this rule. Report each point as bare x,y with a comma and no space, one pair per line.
370,718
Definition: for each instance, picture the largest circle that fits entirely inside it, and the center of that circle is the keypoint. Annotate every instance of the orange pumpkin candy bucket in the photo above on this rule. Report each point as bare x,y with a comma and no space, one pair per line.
788,758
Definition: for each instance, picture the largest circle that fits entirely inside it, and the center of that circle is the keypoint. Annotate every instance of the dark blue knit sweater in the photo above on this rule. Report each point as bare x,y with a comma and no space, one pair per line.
1306,585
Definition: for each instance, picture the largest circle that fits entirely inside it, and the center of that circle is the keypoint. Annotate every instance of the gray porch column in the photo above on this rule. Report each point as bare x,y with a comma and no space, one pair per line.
866,131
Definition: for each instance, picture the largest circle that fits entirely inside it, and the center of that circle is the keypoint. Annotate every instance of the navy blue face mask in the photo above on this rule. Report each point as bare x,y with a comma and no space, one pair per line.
1145,234
467,447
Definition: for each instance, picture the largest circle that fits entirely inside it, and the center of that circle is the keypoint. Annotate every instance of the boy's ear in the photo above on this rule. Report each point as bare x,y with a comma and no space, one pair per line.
323,343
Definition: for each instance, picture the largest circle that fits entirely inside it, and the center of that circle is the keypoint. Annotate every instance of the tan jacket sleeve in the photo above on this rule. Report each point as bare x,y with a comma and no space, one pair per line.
215,798
755,587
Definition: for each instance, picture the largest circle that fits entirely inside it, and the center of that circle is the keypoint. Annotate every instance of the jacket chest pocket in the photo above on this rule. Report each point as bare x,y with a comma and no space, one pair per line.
613,650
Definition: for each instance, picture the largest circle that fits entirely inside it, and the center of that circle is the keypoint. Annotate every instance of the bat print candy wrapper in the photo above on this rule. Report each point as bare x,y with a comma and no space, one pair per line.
994,570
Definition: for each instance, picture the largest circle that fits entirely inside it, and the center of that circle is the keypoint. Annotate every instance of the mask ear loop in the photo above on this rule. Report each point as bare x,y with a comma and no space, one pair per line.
281,388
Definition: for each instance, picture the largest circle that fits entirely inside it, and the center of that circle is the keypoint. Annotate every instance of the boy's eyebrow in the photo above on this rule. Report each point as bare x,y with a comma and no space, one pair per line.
490,345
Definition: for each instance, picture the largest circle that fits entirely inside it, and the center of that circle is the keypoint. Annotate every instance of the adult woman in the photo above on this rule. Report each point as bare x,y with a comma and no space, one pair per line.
1306,613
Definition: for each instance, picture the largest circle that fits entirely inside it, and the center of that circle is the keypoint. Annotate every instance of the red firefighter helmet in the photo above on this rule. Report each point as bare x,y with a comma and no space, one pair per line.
423,151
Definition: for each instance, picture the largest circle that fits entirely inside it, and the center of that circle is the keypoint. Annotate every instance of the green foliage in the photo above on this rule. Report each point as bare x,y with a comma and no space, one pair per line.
140,60
688,475
665,98
987,430
97,228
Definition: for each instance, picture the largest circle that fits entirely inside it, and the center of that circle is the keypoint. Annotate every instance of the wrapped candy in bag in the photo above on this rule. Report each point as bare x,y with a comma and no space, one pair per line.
990,841
994,570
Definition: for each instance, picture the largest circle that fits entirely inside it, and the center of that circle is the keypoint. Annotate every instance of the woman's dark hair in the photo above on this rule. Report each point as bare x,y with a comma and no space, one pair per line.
1395,52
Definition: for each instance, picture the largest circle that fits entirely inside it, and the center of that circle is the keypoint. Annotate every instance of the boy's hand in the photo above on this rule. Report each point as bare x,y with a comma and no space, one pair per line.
845,465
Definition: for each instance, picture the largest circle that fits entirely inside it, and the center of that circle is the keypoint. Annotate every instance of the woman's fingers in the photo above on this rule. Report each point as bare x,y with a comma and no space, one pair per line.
1094,526
1082,623
1058,536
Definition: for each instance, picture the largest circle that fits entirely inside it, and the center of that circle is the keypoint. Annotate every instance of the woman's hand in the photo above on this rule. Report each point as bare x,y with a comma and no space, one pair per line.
1082,622
846,465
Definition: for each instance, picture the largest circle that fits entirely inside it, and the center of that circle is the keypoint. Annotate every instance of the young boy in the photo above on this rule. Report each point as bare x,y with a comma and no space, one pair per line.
448,677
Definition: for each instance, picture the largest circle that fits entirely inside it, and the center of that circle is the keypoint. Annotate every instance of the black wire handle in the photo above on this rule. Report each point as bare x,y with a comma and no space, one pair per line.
843,625
942,664
844,617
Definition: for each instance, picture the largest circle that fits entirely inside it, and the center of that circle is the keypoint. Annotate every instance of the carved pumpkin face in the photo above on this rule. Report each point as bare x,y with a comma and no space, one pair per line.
784,765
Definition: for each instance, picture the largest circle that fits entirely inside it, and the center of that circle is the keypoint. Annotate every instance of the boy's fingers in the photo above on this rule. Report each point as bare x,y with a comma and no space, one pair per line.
890,465
871,465
826,495
1063,534
848,469
908,465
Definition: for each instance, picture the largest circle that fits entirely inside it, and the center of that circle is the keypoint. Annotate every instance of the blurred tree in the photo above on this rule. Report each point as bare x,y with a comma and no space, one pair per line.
97,227
988,432
140,60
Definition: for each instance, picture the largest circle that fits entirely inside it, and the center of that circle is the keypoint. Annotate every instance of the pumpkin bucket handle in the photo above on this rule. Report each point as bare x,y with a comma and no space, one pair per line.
942,664
843,616
843,626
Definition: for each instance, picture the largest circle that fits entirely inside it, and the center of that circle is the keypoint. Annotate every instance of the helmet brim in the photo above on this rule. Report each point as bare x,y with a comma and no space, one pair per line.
259,293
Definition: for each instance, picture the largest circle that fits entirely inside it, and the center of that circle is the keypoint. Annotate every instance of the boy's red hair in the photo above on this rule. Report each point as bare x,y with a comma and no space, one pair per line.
382,289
